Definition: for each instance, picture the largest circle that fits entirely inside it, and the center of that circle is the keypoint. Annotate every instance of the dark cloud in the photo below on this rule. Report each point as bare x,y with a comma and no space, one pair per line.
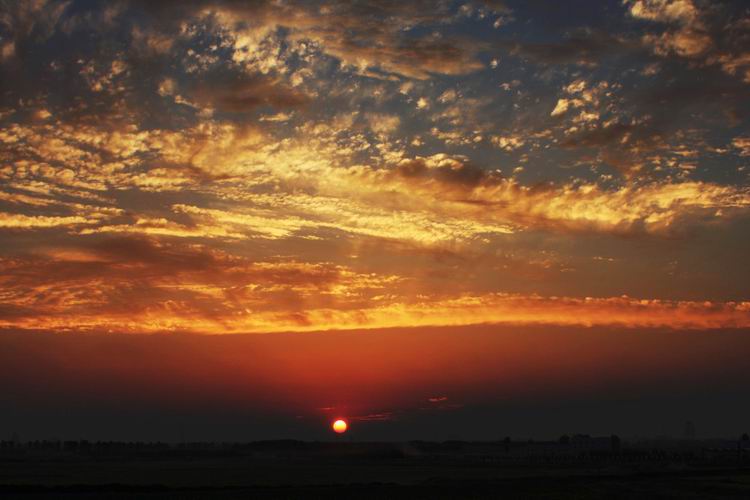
242,93
583,47
448,172
599,137
169,258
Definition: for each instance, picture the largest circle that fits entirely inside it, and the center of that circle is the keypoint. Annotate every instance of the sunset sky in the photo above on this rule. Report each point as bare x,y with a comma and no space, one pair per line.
407,167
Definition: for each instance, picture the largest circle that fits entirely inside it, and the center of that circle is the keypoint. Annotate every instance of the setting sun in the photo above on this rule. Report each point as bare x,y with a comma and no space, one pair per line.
340,426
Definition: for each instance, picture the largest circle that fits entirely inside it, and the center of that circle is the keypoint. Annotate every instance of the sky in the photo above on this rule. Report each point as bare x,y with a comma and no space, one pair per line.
482,382
416,173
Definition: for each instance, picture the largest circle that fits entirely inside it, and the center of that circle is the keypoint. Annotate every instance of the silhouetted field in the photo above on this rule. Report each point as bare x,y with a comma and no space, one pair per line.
579,468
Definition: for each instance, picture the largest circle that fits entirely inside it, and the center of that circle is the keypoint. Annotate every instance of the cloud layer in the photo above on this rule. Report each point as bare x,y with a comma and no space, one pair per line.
227,166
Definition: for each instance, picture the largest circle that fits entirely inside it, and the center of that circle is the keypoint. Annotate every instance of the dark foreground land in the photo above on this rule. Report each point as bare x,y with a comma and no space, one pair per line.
292,469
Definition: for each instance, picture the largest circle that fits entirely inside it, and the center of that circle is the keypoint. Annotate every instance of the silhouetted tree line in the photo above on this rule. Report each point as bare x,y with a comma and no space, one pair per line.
567,449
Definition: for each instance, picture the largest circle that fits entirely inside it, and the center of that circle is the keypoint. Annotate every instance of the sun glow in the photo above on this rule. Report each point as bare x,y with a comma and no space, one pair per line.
339,426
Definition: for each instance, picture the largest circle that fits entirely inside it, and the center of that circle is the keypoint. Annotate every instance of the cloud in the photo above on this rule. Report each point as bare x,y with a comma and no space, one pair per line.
305,216
430,199
383,123
378,35
229,165
358,36
742,144
20,221
126,285
28,22
508,143
451,184
562,106
682,11
411,58
125,282
266,223
79,215
584,47
685,42
241,94
442,170
693,32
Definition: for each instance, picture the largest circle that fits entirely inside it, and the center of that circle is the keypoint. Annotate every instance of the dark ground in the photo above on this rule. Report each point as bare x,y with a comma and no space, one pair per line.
291,469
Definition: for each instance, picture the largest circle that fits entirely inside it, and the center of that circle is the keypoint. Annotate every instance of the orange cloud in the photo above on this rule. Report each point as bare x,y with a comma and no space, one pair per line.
141,285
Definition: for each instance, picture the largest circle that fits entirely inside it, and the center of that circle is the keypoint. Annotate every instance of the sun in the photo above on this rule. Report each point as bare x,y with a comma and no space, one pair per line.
340,426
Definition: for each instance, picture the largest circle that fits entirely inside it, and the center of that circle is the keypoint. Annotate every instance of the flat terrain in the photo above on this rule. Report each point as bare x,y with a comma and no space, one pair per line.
368,471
